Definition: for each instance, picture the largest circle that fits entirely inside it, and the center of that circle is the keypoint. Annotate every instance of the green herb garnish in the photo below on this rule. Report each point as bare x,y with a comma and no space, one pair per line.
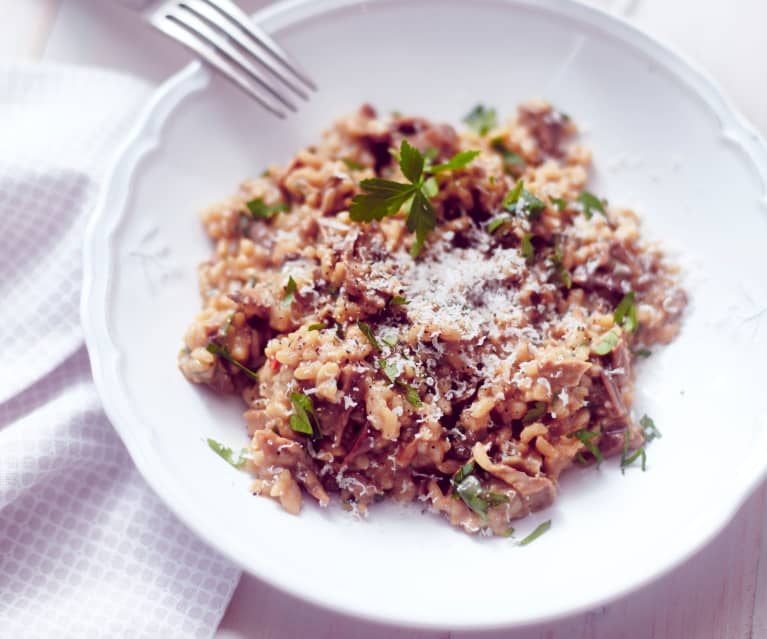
520,201
290,292
368,332
470,490
352,165
304,420
411,394
559,203
223,351
390,340
510,159
590,204
389,370
625,314
606,344
317,326
497,222
481,119
509,532
536,533
398,300
261,211
384,198
559,267
642,352
462,473
626,459
649,429
585,436
527,248
227,454
534,413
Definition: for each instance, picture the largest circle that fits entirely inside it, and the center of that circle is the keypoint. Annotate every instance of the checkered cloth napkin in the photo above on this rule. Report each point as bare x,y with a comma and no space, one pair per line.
86,549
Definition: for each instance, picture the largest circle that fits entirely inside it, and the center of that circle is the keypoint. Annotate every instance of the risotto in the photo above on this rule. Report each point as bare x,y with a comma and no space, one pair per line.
424,314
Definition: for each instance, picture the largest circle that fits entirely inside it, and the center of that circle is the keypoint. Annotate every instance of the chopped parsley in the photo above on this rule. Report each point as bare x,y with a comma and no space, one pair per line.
560,268
534,413
352,165
509,532
536,533
317,326
626,459
559,203
497,222
227,454
462,473
481,119
304,420
388,370
467,487
411,394
585,436
290,292
649,429
368,332
606,344
625,314
223,351
520,201
390,340
384,198
527,248
398,300
591,203
642,352
510,159
261,211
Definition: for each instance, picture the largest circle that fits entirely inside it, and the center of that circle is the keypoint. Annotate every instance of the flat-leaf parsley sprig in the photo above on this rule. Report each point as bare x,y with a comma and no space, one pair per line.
384,198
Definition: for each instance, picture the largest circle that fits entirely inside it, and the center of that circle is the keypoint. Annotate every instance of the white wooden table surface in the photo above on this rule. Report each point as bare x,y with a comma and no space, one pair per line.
720,593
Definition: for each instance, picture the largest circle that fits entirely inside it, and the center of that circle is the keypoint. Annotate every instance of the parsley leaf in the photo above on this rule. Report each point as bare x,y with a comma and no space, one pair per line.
649,429
536,533
261,211
398,300
470,490
534,413
585,436
590,204
497,222
317,326
606,344
368,332
626,459
223,351
527,248
304,420
520,201
462,473
290,292
389,370
411,162
642,352
625,314
411,394
559,203
510,159
227,454
385,198
352,165
458,161
390,340
481,119
562,272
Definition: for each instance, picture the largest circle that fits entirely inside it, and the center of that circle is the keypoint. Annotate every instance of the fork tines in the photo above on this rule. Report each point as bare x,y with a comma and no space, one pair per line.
220,33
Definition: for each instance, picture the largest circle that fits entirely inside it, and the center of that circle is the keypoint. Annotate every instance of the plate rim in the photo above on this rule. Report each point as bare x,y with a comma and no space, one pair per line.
146,135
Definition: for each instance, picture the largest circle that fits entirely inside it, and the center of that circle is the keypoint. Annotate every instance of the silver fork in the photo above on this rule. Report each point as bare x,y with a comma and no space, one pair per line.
224,37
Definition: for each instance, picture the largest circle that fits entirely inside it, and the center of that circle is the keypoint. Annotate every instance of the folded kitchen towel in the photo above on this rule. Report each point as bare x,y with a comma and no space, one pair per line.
86,549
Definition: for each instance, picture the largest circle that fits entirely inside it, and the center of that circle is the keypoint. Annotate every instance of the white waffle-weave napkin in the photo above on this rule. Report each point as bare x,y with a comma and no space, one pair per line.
86,549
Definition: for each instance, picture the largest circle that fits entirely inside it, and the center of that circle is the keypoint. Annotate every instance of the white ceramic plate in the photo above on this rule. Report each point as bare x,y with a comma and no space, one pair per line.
665,142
